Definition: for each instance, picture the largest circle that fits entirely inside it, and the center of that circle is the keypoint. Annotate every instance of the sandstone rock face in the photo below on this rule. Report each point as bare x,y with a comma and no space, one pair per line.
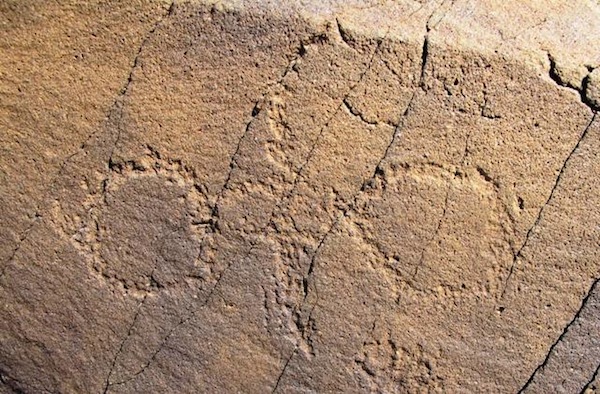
305,196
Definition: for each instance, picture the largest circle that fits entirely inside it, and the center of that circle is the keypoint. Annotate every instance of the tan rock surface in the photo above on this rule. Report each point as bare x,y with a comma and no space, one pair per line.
338,196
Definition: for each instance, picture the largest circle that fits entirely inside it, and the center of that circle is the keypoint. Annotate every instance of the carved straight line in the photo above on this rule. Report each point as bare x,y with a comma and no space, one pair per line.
351,207
119,103
154,354
255,112
173,329
311,154
397,131
588,385
313,260
297,54
538,219
22,238
171,332
282,373
562,335
344,102
214,212
378,169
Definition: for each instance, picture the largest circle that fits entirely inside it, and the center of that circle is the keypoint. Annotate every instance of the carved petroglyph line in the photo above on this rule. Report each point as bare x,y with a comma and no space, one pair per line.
117,105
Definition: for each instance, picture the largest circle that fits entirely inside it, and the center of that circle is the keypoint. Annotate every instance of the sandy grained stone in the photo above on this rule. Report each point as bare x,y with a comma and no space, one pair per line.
304,196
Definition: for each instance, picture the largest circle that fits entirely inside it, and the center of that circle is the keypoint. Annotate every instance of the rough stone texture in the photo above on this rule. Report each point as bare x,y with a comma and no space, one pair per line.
305,196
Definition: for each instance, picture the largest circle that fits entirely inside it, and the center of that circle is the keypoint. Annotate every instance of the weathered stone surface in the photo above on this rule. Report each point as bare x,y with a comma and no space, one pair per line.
299,196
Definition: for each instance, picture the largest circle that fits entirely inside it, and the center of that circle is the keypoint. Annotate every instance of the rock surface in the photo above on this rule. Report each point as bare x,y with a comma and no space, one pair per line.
299,196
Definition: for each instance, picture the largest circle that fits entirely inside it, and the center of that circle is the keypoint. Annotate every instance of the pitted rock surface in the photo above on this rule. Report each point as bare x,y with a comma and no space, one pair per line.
300,196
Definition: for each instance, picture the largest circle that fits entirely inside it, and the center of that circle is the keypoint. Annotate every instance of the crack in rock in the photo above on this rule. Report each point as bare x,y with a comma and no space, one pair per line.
377,171
583,91
117,105
17,386
214,223
293,248
588,385
354,112
541,367
122,344
344,213
253,245
519,253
